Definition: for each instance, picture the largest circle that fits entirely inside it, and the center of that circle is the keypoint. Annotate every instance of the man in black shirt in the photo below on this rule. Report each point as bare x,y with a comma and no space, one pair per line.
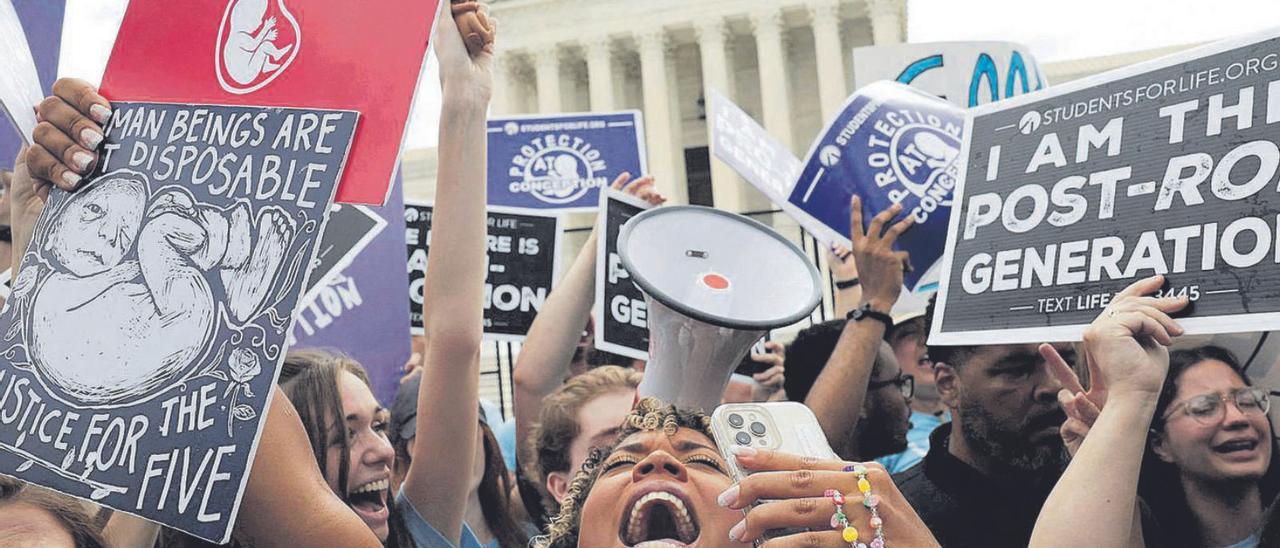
988,472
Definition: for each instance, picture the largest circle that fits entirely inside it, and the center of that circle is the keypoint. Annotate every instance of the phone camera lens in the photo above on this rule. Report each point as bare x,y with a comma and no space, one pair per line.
743,439
757,428
735,420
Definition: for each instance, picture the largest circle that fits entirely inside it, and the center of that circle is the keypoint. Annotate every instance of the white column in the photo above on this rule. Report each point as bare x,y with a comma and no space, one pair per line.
599,53
886,21
830,57
680,179
657,114
547,62
771,56
503,90
717,74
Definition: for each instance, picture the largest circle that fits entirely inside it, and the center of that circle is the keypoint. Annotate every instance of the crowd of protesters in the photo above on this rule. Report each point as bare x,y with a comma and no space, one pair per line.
958,446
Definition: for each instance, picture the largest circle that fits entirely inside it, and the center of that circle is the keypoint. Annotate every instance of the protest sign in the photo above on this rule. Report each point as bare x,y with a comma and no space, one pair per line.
967,74
30,41
417,231
288,53
891,144
524,264
1067,196
149,318
740,142
351,228
359,307
560,162
621,312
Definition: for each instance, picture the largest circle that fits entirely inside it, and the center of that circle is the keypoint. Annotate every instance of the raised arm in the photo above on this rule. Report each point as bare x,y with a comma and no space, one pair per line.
1093,504
547,351
439,479
837,394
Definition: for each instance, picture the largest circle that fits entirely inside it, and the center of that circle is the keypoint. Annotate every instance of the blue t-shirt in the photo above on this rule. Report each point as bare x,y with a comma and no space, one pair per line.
922,424
505,432
426,536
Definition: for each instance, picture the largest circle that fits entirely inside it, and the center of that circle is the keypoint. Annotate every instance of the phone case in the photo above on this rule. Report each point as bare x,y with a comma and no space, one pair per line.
788,427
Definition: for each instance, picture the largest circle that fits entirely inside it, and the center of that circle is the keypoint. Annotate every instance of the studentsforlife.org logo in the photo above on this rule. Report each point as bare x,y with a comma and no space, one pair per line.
556,168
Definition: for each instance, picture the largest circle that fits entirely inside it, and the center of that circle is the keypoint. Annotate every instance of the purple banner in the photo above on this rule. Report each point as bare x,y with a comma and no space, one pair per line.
359,308
42,21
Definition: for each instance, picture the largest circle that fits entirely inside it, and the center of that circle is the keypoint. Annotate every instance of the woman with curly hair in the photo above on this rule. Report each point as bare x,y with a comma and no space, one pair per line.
664,481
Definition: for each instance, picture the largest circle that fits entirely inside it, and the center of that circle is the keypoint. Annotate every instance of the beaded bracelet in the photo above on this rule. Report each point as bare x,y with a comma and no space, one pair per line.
871,501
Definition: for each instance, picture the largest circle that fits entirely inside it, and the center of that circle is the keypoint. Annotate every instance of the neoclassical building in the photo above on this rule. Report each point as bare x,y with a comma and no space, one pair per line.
783,61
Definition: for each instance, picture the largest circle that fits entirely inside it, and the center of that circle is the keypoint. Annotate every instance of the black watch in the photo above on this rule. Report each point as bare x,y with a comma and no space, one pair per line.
865,312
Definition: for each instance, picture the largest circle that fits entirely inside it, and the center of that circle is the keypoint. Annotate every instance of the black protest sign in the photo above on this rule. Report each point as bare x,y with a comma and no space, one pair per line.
621,312
147,324
349,231
524,264
417,236
1069,196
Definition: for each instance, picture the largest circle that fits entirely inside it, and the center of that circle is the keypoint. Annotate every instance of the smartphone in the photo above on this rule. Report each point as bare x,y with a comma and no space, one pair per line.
784,426
787,427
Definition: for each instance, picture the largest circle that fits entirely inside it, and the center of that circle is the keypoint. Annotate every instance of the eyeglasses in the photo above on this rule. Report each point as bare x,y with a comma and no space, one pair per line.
906,383
1209,408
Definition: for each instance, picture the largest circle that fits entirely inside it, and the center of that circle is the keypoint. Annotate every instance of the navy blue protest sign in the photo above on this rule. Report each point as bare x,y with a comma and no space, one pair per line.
524,264
560,162
890,145
41,22
149,318
622,315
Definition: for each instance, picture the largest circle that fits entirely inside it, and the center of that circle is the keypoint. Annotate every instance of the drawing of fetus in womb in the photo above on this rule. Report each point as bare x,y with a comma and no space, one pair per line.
249,50
132,287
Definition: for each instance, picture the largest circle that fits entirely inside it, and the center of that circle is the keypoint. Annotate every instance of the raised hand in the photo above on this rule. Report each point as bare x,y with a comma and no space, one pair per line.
770,381
69,133
641,188
1082,407
1128,342
880,265
469,76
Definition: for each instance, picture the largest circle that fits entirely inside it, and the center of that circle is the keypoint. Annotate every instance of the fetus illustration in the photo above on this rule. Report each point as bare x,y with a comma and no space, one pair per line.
930,153
131,288
564,171
255,44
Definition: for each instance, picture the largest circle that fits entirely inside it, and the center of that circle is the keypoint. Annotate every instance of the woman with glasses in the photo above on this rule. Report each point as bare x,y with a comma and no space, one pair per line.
1209,469
1204,471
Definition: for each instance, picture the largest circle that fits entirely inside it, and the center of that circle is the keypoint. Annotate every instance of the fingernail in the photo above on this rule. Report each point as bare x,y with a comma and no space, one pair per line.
81,160
729,497
91,138
735,534
70,178
743,451
100,113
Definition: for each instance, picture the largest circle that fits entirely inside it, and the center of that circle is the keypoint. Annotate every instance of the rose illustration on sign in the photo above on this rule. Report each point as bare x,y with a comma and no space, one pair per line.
257,41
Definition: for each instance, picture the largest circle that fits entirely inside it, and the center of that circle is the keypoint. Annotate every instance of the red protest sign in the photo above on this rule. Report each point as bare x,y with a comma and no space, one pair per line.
331,54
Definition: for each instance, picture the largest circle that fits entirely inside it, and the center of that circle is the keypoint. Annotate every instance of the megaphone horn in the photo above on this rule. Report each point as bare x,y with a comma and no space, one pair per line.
714,282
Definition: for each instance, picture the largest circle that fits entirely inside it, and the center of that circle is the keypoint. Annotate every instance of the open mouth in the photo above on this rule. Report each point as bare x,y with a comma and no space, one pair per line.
370,500
1236,446
659,519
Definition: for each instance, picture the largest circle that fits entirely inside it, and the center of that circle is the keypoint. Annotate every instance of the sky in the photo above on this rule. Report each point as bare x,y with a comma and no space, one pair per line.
1053,30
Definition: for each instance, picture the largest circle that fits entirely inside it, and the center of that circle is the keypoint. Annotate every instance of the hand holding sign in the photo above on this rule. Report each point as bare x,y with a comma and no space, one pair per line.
882,267
69,134
1128,341
641,188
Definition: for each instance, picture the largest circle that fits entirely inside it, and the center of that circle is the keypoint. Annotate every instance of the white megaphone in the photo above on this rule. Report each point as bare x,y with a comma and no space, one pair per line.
714,282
